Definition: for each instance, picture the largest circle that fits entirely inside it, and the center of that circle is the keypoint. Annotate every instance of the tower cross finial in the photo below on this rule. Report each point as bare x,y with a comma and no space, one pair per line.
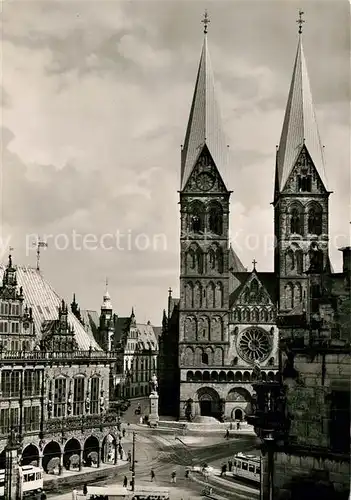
206,21
254,264
300,21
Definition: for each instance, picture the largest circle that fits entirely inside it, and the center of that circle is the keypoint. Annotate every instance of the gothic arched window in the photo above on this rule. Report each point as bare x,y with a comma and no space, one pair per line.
219,258
199,260
197,217
296,222
299,261
215,219
315,220
289,296
289,261
211,258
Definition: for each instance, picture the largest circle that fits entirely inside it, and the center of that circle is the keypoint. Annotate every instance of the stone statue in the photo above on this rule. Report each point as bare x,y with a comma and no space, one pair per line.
154,384
256,372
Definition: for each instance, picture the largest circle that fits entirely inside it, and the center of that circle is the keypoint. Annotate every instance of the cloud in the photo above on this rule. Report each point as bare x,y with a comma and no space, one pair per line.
97,96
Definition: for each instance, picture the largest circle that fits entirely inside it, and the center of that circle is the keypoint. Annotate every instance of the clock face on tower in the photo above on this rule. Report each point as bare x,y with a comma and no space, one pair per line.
205,181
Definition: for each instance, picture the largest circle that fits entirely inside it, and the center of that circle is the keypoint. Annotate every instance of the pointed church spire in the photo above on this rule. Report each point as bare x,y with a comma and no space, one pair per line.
204,125
106,300
300,125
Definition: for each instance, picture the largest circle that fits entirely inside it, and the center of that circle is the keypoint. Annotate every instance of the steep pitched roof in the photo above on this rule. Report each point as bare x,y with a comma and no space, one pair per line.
235,264
90,320
204,125
147,336
44,301
300,125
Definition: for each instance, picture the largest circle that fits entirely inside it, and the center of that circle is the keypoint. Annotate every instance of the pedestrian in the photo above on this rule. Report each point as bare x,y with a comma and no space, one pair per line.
129,456
230,465
85,489
174,477
223,469
125,482
187,474
152,475
123,432
238,426
74,494
141,419
227,434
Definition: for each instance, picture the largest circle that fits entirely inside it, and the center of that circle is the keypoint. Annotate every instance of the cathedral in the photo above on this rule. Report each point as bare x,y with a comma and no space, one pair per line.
223,327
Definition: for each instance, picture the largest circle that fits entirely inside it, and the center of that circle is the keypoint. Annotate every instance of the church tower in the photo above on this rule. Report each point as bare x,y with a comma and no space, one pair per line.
204,277
106,328
300,197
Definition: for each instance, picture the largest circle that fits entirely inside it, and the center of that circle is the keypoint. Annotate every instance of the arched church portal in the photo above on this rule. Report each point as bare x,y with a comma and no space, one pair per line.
209,402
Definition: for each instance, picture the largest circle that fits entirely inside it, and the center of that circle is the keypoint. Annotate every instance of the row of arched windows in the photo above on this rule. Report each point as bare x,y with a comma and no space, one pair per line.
293,295
198,356
203,329
209,297
229,376
262,315
296,262
203,218
198,262
310,221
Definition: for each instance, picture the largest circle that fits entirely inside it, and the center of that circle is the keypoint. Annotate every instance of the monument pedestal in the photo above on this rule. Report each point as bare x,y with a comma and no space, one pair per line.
153,416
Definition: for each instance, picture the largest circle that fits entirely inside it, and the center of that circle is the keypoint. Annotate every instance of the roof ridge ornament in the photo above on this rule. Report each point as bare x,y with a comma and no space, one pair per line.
206,20
300,21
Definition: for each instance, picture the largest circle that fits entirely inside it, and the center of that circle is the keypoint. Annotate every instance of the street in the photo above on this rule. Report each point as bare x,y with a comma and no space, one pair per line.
165,453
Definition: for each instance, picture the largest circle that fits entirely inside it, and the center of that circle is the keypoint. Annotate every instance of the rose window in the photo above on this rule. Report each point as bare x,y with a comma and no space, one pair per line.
254,345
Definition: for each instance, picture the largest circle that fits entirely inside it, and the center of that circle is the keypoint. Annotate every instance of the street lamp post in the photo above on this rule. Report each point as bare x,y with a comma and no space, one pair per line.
133,462
271,425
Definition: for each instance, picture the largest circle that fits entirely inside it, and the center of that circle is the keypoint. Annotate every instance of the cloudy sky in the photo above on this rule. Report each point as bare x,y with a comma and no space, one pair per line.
95,102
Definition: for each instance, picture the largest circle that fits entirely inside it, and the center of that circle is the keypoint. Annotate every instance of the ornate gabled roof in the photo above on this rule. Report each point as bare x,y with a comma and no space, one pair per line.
300,126
234,263
45,304
267,280
204,125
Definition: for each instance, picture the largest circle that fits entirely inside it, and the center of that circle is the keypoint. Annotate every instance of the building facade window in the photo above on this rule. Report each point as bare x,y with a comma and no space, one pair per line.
60,397
78,395
3,327
10,383
31,383
94,390
31,418
9,417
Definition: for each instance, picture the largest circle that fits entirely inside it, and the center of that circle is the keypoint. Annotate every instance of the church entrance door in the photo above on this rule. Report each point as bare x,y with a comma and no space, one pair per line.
206,408
209,402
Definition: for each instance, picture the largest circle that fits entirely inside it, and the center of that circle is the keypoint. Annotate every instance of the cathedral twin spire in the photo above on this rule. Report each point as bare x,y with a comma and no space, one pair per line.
299,128
300,125
204,125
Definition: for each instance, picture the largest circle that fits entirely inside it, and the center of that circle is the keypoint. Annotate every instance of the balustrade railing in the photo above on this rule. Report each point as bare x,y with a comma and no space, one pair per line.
80,422
56,355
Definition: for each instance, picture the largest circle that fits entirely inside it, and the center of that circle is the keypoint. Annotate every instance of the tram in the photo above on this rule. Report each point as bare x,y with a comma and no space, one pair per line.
32,482
247,467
